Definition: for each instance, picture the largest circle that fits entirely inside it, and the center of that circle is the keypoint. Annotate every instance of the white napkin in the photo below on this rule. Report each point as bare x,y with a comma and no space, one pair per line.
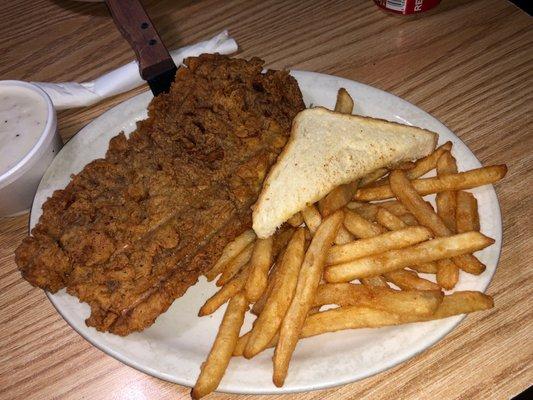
72,94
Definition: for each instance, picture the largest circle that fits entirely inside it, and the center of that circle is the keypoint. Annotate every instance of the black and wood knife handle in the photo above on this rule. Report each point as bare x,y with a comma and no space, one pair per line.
136,27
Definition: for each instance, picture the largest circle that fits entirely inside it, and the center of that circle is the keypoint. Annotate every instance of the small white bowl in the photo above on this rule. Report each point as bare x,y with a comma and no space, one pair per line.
19,183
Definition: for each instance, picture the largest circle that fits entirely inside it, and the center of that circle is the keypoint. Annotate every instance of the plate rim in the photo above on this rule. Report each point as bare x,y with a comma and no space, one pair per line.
297,387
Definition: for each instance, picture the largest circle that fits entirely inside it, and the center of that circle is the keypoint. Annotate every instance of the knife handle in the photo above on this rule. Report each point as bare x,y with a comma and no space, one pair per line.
136,27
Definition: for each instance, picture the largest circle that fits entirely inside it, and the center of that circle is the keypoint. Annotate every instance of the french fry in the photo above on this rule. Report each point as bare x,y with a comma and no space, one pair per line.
423,165
419,302
469,263
389,220
311,218
348,317
368,212
337,198
447,274
230,252
373,176
226,292
446,208
365,210
392,222
243,341
354,205
312,310
459,303
446,201
214,367
359,226
258,306
467,214
280,242
296,220
375,281
281,238
260,263
363,228
344,102
377,244
277,303
235,265
404,165
426,164
460,181
409,219
343,236
308,280
394,206
384,179
354,317
425,268
432,250
409,280
424,213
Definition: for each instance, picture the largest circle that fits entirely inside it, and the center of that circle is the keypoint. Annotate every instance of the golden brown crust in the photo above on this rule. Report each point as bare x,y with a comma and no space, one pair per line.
132,231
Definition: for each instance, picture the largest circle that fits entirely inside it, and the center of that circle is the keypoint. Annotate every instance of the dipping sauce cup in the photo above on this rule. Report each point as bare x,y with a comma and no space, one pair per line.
28,143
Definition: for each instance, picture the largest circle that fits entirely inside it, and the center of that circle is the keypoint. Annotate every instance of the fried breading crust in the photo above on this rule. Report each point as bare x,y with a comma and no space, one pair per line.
132,231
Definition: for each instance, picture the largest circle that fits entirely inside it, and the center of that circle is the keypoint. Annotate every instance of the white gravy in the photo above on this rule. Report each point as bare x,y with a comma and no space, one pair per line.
23,116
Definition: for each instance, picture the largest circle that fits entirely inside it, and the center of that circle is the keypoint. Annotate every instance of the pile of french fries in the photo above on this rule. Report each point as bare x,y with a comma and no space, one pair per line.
347,251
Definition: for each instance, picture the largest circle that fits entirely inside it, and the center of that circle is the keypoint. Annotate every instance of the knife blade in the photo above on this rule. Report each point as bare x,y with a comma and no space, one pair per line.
155,63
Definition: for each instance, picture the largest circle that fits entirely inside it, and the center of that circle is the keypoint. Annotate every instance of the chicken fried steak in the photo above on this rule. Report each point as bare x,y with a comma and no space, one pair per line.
132,231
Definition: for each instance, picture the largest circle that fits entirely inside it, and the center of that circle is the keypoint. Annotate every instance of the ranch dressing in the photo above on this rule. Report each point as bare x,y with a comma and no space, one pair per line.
23,117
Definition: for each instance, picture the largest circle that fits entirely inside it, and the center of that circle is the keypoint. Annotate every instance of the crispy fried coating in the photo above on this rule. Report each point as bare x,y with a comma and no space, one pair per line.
132,231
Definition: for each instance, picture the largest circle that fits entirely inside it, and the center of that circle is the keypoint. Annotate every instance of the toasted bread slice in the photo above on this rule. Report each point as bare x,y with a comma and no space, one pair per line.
327,149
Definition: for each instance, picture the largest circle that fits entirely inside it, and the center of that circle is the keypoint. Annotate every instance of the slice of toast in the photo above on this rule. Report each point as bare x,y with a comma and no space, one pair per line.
327,149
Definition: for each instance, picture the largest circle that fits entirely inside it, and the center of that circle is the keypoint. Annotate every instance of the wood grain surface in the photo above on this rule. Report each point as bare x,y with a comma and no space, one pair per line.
469,63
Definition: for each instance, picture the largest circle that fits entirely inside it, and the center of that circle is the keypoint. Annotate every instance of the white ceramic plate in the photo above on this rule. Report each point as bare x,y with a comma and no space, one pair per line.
175,346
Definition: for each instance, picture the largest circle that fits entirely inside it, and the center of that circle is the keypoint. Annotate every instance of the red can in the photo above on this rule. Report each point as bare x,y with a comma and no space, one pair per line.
406,7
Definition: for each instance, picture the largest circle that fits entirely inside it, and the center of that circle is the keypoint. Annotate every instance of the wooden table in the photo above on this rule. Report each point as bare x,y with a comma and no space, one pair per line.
469,63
